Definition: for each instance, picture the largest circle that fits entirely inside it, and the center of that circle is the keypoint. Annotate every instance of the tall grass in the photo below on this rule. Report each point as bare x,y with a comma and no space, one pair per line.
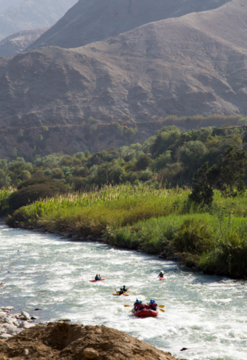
153,219
92,213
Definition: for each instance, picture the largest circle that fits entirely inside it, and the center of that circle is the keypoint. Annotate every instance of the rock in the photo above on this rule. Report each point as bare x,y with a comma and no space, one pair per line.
2,317
90,353
8,320
5,336
12,330
26,325
26,352
25,316
9,308
64,320
72,341
34,317
1,283
183,349
6,309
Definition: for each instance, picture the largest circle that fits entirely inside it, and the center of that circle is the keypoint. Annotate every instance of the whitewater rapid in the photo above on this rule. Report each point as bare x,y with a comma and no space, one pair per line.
206,314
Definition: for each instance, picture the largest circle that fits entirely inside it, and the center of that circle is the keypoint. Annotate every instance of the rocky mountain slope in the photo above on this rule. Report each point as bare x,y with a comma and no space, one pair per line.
96,20
193,64
63,341
16,43
5,4
32,14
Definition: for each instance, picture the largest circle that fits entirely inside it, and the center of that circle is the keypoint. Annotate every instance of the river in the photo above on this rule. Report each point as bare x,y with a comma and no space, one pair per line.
206,314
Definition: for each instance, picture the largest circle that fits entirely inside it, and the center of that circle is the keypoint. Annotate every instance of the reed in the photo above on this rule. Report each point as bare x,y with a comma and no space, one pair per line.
151,218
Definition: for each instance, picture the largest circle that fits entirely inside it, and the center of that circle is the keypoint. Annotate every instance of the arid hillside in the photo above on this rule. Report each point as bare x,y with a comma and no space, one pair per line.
31,14
16,43
181,66
95,20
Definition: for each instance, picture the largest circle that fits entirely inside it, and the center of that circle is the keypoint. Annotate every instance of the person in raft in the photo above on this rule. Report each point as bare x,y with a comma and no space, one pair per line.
97,277
137,305
152,305
161,274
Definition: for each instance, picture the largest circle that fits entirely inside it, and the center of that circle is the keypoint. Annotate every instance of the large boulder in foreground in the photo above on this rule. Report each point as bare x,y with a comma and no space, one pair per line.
71,342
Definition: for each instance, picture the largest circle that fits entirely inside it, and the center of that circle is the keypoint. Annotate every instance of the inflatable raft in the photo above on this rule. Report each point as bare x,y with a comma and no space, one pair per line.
144,313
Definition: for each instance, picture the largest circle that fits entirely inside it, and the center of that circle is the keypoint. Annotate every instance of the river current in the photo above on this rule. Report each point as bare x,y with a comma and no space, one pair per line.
206,314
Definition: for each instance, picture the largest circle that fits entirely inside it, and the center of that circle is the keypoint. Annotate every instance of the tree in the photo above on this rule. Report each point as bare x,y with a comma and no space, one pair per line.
15,153
202,192
4,179
25,175
226,176
143,162
130,132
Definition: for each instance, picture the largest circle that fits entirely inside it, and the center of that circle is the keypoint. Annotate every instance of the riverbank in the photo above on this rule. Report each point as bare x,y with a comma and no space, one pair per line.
13,323
150,219
64,341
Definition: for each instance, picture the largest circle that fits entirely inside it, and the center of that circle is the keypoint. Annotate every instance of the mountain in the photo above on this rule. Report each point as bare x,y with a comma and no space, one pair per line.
16,43
187,65
5,4
193,64
95,20
32,14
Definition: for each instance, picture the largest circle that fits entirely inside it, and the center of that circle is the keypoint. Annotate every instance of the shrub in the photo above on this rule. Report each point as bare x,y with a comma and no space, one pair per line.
39,174
143,162
57,173
4,179
228,258
25,175
79,155
31,193
130,132
48,172
194,237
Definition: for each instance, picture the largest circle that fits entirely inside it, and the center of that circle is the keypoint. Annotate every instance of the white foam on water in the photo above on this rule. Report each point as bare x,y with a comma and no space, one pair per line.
206,314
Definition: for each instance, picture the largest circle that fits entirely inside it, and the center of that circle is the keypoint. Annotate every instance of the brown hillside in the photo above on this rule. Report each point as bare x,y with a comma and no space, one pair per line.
176,66
95,20
16,43
70,342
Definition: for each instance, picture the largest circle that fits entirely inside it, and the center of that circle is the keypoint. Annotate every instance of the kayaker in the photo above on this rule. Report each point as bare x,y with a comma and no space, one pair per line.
97,277
124,289
152,305
161,274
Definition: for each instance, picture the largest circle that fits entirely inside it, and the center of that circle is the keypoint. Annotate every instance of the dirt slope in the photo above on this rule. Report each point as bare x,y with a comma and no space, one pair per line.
16,43
32,14
69,342
95,20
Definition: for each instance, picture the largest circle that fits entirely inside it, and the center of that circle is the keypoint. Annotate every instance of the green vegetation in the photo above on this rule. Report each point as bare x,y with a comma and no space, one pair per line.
181,194
153,219
171,156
